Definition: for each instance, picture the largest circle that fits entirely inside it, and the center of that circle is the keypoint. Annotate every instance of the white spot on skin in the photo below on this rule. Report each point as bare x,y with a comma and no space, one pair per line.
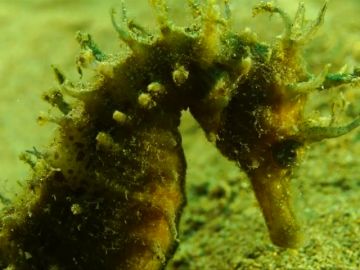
146,101
76,209
156,89
180,75
120,117
105,141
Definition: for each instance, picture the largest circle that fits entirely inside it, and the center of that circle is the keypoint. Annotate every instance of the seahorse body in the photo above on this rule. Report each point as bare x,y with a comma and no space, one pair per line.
109,190
105,195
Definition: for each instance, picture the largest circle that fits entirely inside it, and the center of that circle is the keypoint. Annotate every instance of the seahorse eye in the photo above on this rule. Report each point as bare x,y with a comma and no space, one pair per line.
284,152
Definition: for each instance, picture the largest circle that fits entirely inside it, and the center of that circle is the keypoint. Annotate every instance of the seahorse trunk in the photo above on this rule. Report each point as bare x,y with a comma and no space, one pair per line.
115,208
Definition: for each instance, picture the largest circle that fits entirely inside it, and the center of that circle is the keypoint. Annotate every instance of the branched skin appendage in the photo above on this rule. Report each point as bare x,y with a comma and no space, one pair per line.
108,191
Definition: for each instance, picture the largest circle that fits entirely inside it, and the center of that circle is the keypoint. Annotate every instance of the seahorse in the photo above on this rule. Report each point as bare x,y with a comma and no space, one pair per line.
109,190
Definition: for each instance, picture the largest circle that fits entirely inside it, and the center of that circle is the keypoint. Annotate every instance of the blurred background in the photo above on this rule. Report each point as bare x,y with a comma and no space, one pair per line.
221,227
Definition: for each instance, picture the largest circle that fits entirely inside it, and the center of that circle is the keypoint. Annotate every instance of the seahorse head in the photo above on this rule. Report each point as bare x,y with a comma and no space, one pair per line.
254,112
